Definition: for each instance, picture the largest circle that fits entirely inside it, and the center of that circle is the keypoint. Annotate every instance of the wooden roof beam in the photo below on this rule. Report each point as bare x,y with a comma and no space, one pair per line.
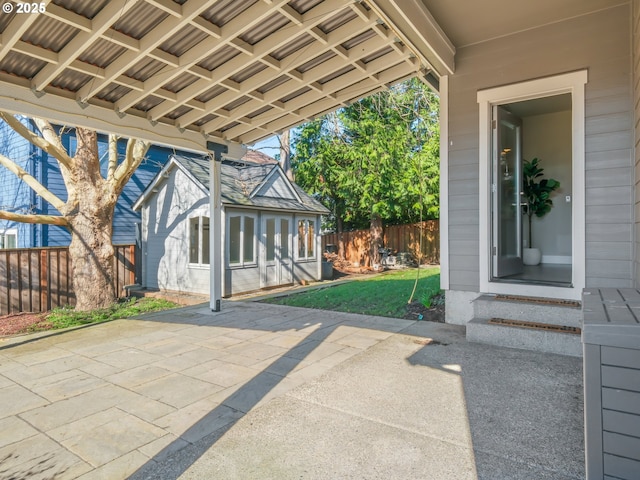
161,32
309,78
346,31
83,40
262,52
363,88
331,87
12,33
241,23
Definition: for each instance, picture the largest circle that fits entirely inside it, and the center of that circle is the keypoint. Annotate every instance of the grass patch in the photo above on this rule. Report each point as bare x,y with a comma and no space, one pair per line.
384,295
64,317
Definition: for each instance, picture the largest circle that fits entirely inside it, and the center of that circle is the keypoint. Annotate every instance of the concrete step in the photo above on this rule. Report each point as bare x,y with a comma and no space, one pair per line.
540,310
481,331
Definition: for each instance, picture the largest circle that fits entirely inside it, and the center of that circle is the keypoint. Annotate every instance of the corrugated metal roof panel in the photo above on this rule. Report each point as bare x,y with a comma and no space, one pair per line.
249,72
102,53
21,65
185,39
266,28
49,33
70,80
140,20
180,82
145,69
295,46
219,57
211,93
226,10
86,8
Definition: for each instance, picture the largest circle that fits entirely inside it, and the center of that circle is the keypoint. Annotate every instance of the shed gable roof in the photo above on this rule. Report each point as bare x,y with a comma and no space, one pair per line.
243,184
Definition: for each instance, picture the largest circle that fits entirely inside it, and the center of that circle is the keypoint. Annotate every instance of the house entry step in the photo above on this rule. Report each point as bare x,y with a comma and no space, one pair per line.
567,313
520,334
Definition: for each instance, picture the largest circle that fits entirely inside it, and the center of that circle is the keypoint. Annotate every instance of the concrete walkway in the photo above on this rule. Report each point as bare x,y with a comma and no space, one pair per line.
271,392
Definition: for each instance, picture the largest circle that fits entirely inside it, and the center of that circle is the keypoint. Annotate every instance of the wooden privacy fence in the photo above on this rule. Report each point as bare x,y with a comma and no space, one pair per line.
39,279
399,238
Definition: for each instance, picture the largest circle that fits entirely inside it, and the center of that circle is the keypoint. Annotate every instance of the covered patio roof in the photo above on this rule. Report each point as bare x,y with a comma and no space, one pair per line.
183,72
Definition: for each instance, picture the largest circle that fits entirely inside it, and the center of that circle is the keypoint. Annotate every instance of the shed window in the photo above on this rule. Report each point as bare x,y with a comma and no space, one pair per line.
306,239
9,239
241,239
199,240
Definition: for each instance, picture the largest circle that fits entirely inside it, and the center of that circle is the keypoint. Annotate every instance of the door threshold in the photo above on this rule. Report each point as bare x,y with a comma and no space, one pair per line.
530,281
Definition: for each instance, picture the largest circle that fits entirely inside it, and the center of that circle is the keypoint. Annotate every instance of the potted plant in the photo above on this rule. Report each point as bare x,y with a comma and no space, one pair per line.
537,196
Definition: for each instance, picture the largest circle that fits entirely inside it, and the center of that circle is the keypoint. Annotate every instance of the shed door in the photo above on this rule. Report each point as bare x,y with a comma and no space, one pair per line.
276,240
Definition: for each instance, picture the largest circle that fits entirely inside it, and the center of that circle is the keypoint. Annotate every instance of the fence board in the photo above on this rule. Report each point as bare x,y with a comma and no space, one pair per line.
39,279
399,238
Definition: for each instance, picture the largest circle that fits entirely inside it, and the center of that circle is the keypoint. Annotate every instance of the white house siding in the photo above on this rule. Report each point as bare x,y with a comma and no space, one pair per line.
167,253
598,42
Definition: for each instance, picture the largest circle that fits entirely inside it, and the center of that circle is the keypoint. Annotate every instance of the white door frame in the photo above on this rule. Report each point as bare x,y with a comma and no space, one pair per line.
573,83
282,266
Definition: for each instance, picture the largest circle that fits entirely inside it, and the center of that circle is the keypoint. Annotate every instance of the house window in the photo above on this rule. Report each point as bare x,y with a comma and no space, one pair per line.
199,240
306,239
242,239
9,239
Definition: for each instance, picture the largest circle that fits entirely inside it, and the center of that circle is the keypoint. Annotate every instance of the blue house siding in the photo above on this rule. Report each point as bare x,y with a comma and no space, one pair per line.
16,196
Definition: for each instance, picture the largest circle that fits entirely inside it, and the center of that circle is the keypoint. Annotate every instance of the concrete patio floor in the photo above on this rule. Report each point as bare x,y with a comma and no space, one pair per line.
272,392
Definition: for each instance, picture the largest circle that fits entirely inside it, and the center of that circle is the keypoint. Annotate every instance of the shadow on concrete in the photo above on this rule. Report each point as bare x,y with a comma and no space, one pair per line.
250,394
525,409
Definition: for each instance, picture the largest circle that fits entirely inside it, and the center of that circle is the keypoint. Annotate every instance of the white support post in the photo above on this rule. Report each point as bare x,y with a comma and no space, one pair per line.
216,227
215,232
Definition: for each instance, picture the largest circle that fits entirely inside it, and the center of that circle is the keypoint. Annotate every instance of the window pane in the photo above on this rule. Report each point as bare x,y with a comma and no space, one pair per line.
311,239
234,240
271,239
249,233
301,239
193,240
284,238
205,240
12,240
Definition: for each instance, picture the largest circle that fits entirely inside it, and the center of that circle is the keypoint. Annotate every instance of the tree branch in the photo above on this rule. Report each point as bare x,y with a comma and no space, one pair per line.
49,142
40,219
32,182
136,150
113,156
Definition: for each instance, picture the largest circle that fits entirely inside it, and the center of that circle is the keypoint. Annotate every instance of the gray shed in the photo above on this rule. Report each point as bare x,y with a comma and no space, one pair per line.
271,235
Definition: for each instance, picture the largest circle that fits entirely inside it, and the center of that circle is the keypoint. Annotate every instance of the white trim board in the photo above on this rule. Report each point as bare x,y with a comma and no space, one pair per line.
444,183
574,83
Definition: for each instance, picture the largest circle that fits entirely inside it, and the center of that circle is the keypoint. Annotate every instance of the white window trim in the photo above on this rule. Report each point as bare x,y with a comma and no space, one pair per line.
199,264
242,263
9,232
306,258
573,83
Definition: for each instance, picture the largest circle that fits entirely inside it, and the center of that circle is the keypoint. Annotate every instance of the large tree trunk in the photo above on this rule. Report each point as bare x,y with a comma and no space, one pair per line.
375,233
340,232
90,220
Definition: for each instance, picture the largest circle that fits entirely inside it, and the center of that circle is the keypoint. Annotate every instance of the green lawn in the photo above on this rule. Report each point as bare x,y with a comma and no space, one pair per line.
384,295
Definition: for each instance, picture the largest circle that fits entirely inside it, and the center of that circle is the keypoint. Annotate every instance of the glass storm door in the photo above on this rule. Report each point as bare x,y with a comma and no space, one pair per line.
506,197
277,267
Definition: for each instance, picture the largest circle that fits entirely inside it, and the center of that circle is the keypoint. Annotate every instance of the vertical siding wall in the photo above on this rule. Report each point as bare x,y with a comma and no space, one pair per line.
600,43
636,102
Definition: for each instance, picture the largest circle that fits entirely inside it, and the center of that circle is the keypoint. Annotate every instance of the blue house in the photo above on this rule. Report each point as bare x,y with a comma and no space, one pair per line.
17,196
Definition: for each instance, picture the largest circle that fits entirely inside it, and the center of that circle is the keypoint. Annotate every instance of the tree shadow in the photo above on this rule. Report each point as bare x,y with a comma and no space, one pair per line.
232,409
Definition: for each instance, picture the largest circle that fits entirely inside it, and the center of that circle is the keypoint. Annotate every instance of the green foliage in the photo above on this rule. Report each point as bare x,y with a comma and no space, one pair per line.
383,295
431,296
537,191
66,316
378,156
